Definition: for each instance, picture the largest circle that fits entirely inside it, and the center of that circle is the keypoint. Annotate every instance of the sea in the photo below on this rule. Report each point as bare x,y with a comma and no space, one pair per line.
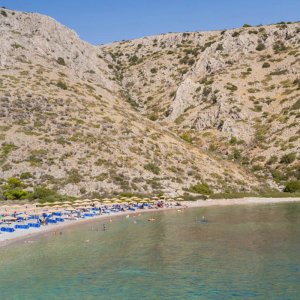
232,252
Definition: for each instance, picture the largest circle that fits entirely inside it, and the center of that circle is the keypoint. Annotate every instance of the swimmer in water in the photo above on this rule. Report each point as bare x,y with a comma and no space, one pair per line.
203,219
151,219
104,227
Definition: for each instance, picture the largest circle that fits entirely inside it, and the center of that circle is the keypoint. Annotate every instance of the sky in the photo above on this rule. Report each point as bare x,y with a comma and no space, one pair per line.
105,21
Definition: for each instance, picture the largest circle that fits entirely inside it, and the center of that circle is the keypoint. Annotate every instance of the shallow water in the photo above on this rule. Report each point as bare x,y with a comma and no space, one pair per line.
242,252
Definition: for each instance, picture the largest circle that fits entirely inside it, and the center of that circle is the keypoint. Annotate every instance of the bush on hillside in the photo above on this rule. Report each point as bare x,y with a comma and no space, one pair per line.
292,186
44,194
152,168
13,189
288,158
296,105
61,61
266,65
62,85
186,137
260,47
272,160
201,188
3,13
279,47
26,175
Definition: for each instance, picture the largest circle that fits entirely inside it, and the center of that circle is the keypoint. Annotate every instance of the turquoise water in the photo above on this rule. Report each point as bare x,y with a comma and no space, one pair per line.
243,252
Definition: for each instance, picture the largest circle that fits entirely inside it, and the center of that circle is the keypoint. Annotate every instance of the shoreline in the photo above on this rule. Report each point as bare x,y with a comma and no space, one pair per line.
17,236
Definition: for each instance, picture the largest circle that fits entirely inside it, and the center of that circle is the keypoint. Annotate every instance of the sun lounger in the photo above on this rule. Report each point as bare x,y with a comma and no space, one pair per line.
88,215
21,226
60,219
51,221
57,214
34,225
7,229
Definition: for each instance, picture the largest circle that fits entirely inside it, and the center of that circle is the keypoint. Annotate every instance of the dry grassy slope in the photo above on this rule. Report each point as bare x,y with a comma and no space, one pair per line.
236,92
67,126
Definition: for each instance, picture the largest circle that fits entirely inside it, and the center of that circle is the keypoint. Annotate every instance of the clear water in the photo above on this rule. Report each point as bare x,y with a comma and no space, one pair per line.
243,252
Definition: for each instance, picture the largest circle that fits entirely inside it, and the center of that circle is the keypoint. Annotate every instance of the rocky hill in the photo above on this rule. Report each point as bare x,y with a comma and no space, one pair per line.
234,92
174,114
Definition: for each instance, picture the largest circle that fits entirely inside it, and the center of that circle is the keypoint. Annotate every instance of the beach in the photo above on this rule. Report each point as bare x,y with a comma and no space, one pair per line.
20,235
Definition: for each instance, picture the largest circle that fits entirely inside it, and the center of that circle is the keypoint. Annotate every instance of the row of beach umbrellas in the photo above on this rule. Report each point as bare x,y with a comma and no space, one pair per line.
38,208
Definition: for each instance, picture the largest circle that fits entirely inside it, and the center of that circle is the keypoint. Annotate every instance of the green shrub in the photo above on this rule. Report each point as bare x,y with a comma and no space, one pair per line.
13,182
233,140
296,105
257,168
186,137
45,194
279,47
278,176
62,85
7,148
266,65
152,168
260,47
74,176
272,160
61,61
133,60
26,175
292,186
247,25
3,13
231,87
288,158
13,189
153,70
15,194
220,47
153,117
236,154
235,34
201,188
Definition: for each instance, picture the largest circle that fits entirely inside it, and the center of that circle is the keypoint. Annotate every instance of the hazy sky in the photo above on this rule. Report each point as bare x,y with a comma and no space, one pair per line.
103,21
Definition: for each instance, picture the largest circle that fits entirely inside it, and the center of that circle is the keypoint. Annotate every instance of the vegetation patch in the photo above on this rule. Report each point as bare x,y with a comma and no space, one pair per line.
61,61
152,168
201,188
